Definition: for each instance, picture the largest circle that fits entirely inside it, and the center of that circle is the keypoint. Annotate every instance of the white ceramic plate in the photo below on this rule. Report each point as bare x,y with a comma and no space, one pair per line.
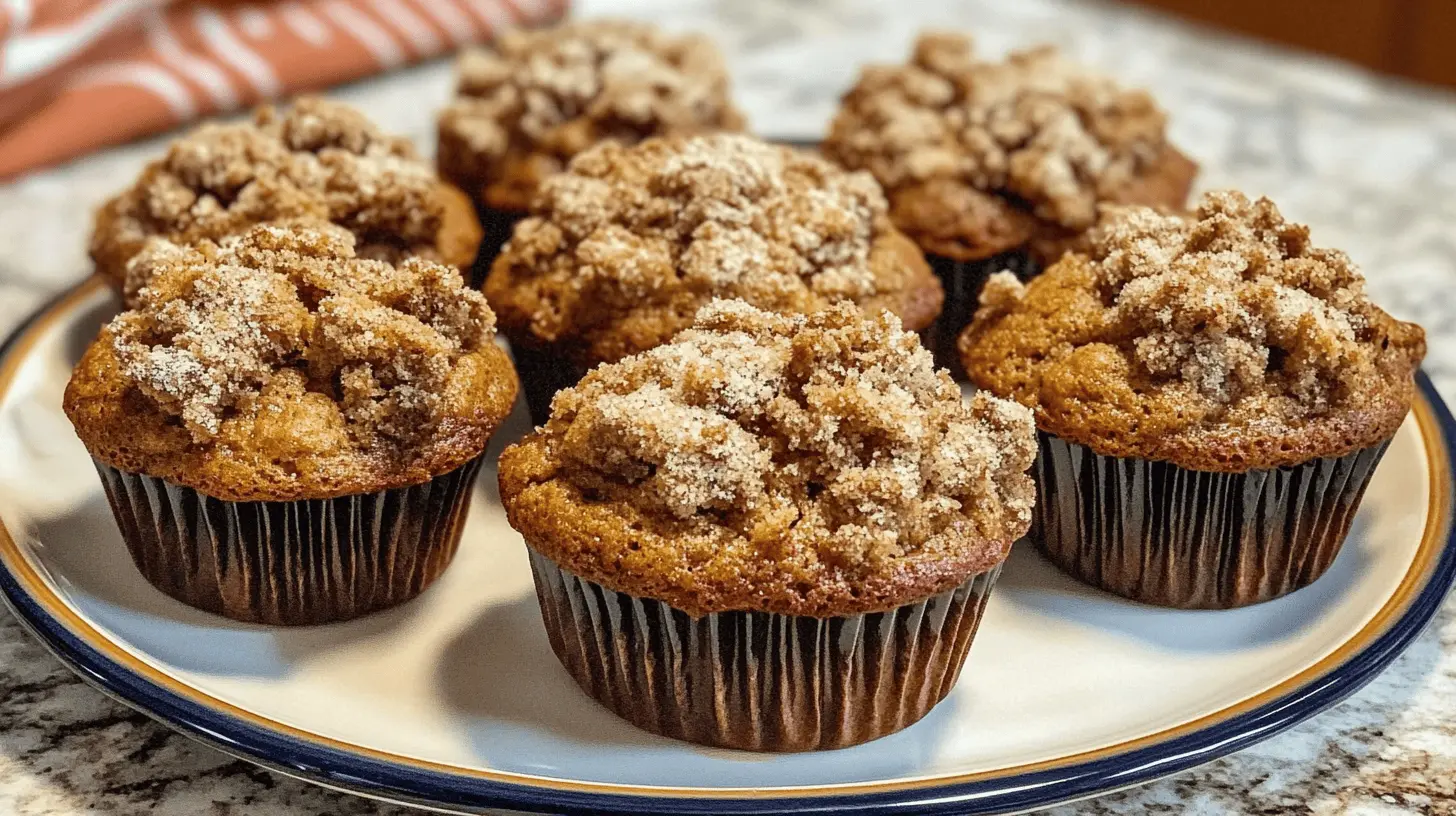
455,701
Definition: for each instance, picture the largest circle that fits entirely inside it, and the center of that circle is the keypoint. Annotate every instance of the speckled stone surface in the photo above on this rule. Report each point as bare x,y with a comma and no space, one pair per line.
1370,164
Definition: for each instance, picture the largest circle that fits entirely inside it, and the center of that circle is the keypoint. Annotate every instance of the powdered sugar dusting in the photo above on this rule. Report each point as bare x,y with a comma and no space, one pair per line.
1034,126
836,422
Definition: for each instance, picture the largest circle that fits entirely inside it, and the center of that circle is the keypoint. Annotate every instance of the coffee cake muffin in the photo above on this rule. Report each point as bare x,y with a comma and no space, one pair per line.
995,165
527,106
1212,393
798,517
288,433
314,159
623,249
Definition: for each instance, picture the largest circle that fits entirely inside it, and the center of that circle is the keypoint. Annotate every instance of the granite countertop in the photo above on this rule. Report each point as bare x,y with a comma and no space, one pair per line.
1370,164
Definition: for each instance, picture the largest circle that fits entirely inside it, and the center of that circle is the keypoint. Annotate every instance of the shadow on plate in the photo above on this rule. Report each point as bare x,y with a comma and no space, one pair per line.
82,549
522,712
1034,583
83,552
501,668
85,326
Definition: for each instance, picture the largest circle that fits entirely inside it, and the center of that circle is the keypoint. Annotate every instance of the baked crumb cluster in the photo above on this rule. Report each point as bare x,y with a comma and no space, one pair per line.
1215,300
1036,127
285,319
555,92
1230,317
624,248
315,159
821,442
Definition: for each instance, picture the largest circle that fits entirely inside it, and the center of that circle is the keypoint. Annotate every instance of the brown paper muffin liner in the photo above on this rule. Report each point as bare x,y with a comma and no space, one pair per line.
759,681
1168,536
290,563
962,282
542,374
497,226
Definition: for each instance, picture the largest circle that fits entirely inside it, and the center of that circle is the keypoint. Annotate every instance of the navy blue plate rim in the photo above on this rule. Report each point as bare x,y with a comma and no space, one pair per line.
374,777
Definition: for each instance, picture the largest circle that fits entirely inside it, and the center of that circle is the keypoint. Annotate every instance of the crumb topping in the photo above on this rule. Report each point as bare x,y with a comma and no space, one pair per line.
315,159
624,248
822,442
286,311
1035,127
1227,318
555,92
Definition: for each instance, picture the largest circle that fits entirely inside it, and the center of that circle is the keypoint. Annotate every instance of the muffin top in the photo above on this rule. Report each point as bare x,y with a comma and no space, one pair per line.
315,159
540,97
1223,341
623,249
977,156
277,365
807,465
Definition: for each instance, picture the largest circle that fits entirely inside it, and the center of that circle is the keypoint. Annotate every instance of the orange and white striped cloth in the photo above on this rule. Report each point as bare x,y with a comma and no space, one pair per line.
76,75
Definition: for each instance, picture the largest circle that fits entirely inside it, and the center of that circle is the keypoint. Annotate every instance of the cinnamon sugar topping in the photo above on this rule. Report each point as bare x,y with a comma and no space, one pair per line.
316,159
829,439
1035,127
557,91
624,248
1209,299
1227,319
283,315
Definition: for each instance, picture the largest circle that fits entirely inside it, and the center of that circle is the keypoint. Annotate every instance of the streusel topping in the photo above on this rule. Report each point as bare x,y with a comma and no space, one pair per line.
315,159
290,307
1228,318
277,365
1035,127
622,250
554,92
829,441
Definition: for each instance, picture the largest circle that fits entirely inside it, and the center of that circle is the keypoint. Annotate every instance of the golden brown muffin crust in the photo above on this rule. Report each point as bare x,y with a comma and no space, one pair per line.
277,365
623,249
1170,181
1223,341
978,157
460,234
806,465
314,159
538,98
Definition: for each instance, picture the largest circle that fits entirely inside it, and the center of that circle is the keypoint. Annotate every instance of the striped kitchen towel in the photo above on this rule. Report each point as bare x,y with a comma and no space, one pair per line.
76,75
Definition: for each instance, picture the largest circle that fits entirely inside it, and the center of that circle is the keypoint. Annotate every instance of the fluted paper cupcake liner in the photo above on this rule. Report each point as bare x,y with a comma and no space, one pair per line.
542,374
496,226
962,282
290,563
1169,536
759,681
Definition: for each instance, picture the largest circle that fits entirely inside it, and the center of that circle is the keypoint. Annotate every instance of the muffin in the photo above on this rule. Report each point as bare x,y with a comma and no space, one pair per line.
288,433
1212,395
525,108
775,533
315,159
998,165
623,248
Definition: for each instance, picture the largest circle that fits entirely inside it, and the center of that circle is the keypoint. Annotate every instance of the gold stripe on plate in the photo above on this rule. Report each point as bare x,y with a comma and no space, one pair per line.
1438,520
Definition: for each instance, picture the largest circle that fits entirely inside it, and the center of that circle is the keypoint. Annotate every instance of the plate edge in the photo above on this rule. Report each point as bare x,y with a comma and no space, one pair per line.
1039,784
